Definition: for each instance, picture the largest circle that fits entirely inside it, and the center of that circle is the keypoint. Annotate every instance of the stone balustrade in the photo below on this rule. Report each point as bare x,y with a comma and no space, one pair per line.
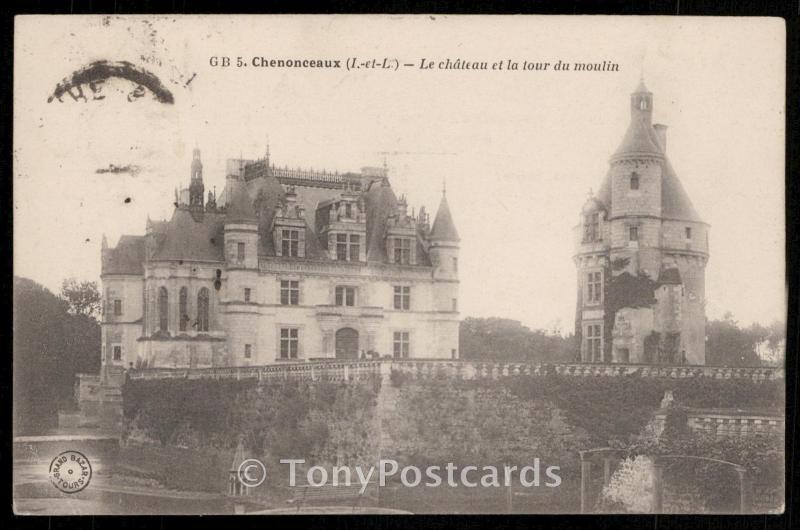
341,370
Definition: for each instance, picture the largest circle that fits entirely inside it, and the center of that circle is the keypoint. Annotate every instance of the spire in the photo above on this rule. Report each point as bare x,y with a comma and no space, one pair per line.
443,227
196,187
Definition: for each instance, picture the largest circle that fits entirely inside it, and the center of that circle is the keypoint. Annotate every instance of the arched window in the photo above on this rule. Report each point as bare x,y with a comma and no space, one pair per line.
183,312
163,309
202,309
634,181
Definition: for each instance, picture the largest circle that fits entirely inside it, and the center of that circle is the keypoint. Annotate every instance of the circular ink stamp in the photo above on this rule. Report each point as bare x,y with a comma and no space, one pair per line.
70,471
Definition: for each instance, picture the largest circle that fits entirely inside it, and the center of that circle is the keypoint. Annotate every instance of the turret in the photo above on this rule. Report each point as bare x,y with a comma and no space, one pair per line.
241,228
443,249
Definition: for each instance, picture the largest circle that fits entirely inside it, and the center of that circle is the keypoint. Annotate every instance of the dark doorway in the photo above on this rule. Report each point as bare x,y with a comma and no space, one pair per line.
347,344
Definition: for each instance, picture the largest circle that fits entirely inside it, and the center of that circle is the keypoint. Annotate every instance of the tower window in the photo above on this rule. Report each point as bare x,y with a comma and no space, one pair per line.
688,232
454,302
290,243
594,287
345,296
246,294
402,297
118,307
248,351
116,352
634,181
591,227
455,264
593,342
239,252
633,233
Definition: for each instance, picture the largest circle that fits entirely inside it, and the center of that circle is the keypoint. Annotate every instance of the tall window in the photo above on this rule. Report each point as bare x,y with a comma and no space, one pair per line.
116,350
117,307
402,251
455,304
455,264
634,181
688,232
591,227
401,344
163,309
345,295
290,343
594,342
290,241
633,233
248,351
594,287
246,294
183,312
240,252
402,297
290,292
202,309
348,247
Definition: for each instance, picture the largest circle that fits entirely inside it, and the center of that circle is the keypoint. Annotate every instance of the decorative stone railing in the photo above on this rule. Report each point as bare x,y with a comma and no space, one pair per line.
340,370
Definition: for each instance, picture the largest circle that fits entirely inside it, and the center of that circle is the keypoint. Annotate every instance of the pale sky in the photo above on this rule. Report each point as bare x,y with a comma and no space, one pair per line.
519,149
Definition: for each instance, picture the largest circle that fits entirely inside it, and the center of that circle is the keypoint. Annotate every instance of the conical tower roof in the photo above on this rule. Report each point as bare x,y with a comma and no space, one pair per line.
444,229
240,208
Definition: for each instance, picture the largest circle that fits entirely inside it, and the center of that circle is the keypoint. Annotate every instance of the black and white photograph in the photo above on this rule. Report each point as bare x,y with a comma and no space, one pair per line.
398,264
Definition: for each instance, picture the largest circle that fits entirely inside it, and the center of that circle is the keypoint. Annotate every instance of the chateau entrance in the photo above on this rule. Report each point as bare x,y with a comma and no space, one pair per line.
347,344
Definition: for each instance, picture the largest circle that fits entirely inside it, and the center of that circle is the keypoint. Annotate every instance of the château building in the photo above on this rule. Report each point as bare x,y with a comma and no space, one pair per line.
641,252
285,265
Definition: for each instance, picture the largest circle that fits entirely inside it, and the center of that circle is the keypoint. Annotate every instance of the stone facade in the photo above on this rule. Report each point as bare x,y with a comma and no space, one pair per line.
288,265
641,252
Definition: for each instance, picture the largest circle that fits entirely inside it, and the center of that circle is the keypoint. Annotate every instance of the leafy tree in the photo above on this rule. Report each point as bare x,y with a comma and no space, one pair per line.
50,345
727,344
502,339
83,298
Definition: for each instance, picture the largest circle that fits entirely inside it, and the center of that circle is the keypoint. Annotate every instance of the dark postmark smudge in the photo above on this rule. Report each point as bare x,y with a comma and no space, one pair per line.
98,72
70,472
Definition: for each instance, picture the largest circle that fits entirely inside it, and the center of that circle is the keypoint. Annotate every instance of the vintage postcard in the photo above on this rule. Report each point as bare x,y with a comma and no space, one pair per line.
398,264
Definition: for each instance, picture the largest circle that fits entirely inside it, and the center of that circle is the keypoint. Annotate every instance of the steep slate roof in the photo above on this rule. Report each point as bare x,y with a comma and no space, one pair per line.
641,139
126,258
188,238
380,202
199,235
241,204
443,227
